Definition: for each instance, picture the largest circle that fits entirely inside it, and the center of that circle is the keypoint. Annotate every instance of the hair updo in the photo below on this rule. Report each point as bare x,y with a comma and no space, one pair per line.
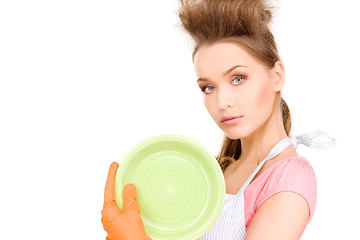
245,22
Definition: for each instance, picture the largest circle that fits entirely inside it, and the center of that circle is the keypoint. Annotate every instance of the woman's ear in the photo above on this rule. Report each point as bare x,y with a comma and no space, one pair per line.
278,76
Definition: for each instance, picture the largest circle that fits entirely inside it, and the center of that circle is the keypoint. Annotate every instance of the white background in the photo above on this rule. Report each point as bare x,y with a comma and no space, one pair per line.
81,82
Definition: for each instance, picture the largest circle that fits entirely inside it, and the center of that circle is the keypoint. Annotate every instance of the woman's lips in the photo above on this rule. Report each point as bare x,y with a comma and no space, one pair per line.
231,120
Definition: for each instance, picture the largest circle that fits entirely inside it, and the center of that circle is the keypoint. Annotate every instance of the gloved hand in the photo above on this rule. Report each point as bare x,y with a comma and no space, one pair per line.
121,225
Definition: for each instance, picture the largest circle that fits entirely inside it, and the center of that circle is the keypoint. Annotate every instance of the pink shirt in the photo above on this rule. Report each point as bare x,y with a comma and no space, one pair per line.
293,174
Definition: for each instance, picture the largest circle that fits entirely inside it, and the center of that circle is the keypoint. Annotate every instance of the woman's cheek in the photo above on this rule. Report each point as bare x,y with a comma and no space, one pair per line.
210,105
257,101
265,101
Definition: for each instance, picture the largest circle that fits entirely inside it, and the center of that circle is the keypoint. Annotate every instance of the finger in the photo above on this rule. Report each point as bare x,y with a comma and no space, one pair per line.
109,195
130,195
108,237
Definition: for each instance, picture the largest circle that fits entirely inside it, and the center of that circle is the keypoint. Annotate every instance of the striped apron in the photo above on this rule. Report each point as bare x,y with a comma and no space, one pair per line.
231,223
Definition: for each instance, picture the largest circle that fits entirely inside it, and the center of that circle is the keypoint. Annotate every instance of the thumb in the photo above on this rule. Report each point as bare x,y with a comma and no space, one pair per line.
110,184
130,196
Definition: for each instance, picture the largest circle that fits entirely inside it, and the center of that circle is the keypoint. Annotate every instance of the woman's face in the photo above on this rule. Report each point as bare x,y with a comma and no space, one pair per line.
239,91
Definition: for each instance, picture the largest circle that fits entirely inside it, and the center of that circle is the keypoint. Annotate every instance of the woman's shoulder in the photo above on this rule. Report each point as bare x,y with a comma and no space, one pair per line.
292,163
290,170
294,174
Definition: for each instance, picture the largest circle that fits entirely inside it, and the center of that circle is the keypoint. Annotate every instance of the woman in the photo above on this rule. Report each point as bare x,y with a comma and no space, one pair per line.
270,189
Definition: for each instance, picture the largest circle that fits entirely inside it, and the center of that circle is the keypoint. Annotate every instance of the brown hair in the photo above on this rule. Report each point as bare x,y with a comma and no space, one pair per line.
244,22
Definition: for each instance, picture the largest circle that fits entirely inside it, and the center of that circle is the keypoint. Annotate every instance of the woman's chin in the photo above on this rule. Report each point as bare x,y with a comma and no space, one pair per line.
235,136
235,132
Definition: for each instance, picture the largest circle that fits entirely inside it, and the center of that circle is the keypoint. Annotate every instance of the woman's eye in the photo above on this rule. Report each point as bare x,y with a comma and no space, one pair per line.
238,79
208,89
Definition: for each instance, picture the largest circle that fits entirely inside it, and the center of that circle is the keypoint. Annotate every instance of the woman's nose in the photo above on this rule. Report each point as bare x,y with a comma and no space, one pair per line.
224,100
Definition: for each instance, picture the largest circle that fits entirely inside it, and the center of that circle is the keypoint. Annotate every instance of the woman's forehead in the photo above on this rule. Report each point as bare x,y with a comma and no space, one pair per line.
220,57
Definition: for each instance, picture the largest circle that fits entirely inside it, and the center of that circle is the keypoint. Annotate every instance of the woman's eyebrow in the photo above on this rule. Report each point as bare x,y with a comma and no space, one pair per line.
224,74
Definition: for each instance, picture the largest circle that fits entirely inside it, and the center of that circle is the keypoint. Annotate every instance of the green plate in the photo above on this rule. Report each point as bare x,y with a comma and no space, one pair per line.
180,186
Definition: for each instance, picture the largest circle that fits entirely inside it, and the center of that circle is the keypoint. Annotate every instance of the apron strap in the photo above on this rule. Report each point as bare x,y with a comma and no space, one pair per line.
306,139
277,149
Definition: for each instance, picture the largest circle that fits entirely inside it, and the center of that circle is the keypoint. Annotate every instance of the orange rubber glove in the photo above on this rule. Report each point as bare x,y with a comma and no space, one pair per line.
121,225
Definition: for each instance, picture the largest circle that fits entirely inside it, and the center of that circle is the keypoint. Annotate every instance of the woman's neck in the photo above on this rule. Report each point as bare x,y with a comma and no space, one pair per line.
255,149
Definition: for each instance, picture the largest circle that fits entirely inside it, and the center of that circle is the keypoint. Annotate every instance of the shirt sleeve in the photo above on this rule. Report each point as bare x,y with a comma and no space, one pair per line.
294,175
